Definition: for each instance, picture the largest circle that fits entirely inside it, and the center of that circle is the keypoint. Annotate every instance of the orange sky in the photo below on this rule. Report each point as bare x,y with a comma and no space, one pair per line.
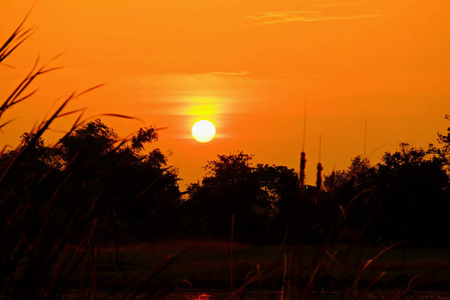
246,66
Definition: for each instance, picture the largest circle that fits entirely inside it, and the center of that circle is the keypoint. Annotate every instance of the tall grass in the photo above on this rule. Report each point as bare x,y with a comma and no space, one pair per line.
46,239
35,261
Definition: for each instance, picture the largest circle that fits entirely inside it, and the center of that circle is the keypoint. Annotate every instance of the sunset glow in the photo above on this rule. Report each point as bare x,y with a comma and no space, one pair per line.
246,66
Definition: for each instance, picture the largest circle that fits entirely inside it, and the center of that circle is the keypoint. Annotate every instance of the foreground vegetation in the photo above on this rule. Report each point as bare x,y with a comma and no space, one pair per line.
207,263
75,215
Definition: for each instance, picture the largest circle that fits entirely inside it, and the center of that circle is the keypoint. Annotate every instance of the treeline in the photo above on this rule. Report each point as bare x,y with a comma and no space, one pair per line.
405,197
117,192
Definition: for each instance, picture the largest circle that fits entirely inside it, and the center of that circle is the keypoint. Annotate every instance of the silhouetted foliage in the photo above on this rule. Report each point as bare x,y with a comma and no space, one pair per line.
91,163
443,151
228,189
143,136
277,199
255,195
414,196
405,196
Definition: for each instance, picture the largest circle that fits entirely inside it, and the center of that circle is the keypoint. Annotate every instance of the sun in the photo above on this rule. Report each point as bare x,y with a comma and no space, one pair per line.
203,131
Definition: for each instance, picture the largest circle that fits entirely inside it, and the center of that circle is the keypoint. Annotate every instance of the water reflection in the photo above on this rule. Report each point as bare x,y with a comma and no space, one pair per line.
330,295
201,297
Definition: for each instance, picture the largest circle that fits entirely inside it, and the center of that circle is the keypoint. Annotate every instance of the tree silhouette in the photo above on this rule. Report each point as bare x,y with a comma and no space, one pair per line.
277,199
444,150
227,189
88,143
257,196
137,190
404,197
414,194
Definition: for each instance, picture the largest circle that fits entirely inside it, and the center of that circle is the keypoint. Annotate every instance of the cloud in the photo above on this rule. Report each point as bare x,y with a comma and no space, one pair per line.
240,73
273,17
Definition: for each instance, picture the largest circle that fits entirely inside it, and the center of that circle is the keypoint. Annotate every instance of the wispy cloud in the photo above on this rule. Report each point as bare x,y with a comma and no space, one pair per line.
273,17
240,73
347,4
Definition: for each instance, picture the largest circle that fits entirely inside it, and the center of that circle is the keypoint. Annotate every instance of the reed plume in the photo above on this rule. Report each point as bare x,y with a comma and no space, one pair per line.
302,171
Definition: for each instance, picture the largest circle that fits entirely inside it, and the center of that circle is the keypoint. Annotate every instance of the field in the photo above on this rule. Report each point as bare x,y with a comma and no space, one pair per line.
207,264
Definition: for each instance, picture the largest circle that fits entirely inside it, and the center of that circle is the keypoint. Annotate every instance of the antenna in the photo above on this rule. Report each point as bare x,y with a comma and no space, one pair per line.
320,148
365,136
304,127
378,148
302,160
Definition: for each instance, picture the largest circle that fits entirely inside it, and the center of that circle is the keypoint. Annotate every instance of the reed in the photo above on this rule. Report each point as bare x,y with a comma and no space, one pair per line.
51,228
